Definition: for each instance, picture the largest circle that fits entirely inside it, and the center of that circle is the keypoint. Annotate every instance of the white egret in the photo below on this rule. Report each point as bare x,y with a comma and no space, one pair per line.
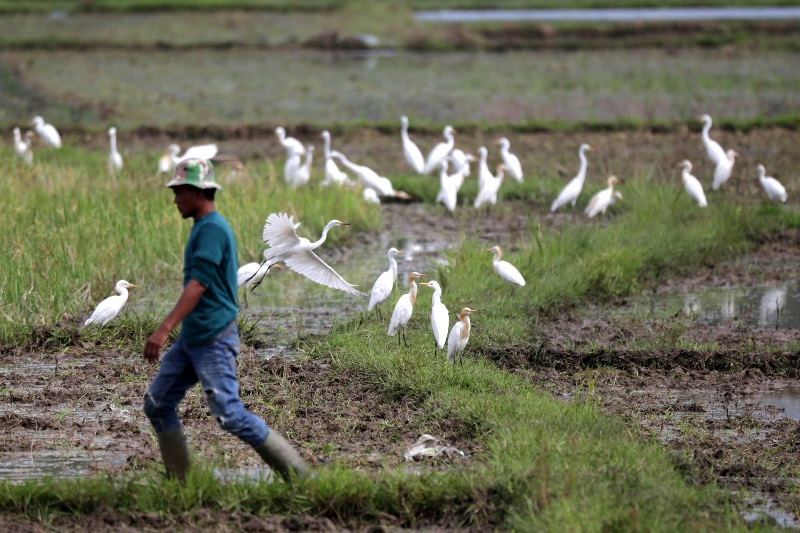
724,169
23,147
460,161
171,158
370,178
773,187
440,151
384,284
111,306
570,193
411,151
303,173
510,160
713,148
369,195
459,336
48,133
332,172
440,316
506,270
289,143
296,252
290,168
692,184
491,184
404,308
447,189
114,157
603,199
484,174
250,275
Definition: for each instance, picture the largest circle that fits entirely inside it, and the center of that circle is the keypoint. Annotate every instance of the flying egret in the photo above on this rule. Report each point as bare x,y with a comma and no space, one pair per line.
332,172
114,157
411,151
303,173
440,151
484,174
447,189
370,178
774,189
459,335
250,275
440,316
384,284
602,199
111,306
692,184
170,159
47,132
404,308
724,169
491,184
296,252
23,147
569,194
289,143
713,148
506,270
510,160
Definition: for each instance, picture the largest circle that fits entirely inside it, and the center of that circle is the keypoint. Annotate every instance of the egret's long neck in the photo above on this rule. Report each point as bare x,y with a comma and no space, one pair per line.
706,128
346,162
584,162
437,296
393,266
467,325
327,147
412,293
113,143
324,236
123,292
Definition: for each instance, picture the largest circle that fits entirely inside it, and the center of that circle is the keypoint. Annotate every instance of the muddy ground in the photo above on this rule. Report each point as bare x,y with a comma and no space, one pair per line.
79,410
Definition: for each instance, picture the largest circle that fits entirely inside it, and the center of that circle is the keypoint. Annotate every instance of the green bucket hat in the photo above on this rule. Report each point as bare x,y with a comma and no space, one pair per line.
195,172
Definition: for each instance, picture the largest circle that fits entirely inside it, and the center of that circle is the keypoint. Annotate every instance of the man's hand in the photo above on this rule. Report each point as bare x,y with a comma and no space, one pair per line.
155,342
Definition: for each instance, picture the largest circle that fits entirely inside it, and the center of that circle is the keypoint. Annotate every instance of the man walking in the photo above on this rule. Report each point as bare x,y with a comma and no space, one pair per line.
208,344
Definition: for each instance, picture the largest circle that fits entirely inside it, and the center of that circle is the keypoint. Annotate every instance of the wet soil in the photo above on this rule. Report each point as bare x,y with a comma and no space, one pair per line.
693,388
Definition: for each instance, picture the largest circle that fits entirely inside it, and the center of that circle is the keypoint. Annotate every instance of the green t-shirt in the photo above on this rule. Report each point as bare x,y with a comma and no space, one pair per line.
210,258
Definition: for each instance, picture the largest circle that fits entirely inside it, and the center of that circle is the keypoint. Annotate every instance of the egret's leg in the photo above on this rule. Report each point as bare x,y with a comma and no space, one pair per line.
399,334
405,342
246,303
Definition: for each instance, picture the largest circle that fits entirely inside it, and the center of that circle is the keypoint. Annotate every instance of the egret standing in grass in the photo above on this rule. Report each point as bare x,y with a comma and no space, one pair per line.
570,193
440,151
506,270
404,308
332,172
23,147
724,169
289,143
691,184
510,160
459,336
47,132
303,173
411,151
109,308
713,148
384,284
484,174
490,187
296,253
773,187
114,157
250,276
603,199
440,316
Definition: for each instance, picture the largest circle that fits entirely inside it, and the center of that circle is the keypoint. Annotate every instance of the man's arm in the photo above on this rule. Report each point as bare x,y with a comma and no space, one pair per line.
189,297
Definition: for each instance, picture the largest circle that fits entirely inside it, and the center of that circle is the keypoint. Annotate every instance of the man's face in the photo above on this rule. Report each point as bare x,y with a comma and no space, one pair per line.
187,199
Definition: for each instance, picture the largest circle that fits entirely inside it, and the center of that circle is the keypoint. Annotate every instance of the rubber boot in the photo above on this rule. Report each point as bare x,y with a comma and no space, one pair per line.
174,452
282,457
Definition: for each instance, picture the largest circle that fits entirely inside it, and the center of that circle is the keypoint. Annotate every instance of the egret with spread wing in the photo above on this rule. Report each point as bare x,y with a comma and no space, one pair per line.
296,253
250,275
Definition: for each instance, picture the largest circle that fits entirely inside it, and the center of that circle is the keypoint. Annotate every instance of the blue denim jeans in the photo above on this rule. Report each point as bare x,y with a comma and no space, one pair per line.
214,365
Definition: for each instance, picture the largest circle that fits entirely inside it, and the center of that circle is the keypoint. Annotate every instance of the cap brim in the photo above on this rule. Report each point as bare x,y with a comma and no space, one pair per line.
175,183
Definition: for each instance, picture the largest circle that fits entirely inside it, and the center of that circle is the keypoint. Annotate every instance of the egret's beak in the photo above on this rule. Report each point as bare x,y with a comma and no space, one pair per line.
344,224
425,283
591,149
620,198
489,250
276,265
132,286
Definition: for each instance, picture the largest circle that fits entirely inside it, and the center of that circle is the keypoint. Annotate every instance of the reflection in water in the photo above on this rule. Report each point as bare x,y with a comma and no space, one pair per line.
761,307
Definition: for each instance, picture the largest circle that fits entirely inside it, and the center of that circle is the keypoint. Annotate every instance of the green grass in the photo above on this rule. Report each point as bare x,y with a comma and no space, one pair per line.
71,231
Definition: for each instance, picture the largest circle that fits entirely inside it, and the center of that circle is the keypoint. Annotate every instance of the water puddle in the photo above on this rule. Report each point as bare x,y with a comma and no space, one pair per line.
68,463
756,307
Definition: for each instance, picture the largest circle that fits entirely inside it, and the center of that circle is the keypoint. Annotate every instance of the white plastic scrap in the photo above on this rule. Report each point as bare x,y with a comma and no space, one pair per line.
429,446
